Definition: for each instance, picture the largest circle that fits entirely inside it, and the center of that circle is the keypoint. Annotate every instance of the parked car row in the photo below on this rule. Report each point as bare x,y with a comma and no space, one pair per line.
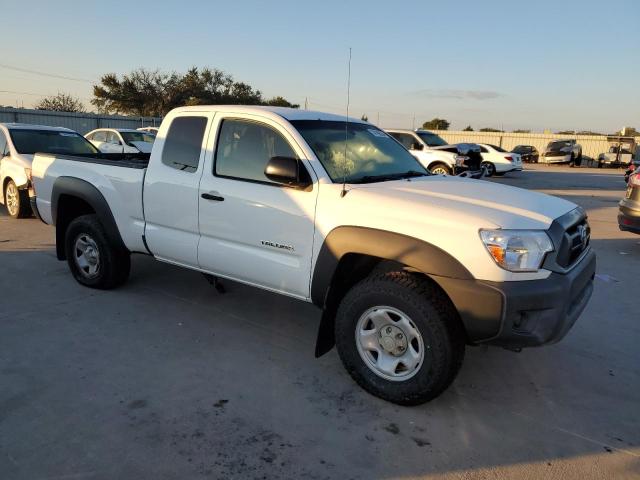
437,156
469,159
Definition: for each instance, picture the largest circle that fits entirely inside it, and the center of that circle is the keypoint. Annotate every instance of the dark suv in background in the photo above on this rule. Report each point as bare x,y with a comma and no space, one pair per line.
528,153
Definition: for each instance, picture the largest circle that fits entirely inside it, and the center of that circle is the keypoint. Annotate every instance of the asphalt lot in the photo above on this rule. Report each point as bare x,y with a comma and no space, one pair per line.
165,378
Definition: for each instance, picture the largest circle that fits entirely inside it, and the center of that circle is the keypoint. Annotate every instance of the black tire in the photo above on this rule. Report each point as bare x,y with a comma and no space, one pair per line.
440,169
22,209
432,314
491,168
113,264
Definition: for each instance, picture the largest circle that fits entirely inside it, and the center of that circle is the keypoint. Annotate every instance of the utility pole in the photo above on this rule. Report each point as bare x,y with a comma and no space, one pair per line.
378,122
306,103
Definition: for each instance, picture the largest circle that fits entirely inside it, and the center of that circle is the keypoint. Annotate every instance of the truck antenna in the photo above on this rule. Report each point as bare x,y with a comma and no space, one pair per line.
346,130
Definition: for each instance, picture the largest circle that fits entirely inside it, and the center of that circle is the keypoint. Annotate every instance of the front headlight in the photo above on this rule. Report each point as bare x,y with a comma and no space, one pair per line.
460,159
517,250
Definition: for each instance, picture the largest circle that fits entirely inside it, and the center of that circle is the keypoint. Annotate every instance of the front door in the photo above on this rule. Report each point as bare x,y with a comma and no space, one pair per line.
252,229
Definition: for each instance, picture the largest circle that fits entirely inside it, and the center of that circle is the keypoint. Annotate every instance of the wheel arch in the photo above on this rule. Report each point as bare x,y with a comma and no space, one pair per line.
350,253
72,197
439,161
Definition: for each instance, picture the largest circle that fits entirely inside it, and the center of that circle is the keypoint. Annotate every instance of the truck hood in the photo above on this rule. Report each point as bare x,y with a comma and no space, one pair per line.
479,203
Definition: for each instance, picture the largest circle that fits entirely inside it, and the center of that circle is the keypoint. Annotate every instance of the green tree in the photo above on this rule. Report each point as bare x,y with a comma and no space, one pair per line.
489,129
145,92
281,102
364,117
62,102
436,124
468,129
522,131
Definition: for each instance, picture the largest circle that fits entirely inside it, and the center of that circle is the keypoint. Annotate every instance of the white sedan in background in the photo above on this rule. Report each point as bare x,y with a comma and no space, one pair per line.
121,140
153,130
498,161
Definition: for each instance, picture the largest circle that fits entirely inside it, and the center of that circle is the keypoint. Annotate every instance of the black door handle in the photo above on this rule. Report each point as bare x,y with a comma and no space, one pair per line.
210,196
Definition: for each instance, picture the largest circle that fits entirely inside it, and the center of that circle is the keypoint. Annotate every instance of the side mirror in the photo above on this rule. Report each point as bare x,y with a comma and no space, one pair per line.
417,146
287,171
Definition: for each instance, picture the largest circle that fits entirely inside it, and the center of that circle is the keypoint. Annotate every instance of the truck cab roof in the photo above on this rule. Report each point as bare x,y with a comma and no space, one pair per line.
283,112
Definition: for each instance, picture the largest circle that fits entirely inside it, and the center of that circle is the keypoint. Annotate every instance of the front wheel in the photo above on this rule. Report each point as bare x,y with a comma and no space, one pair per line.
440,169
399,337
93,261
16,201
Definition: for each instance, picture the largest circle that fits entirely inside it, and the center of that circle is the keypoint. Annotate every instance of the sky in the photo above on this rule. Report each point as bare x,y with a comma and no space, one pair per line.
557,65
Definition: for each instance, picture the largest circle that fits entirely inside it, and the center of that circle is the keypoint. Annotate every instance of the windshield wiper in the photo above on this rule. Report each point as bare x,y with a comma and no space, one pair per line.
388,177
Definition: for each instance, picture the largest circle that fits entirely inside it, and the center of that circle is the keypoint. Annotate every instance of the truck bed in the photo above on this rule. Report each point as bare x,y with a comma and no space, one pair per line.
125,160
117,177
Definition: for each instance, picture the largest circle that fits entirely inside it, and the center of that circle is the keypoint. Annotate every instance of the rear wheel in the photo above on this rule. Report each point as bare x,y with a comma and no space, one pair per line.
440,169
93,261
16,201
490,167
399,337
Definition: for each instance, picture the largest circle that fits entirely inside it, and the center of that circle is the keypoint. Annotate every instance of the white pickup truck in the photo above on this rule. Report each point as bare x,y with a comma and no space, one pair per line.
407,267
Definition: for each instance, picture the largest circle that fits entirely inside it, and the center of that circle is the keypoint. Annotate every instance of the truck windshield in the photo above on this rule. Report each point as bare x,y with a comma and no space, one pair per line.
28,142
432,139
138,137
357,152
558,146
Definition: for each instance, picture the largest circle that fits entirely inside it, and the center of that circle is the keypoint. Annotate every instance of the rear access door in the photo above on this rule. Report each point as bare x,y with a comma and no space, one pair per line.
170,193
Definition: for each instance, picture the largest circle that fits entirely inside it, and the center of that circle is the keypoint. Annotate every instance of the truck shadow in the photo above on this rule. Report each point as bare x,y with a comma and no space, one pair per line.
186,380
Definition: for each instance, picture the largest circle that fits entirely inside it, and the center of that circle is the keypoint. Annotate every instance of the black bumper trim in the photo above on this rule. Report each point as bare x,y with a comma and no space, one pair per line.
523,314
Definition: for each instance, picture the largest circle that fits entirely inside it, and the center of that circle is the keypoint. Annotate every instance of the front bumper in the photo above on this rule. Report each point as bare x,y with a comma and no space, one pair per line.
523,314
559,158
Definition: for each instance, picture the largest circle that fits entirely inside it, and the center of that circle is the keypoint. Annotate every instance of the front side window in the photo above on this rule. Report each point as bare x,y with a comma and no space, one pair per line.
183,144
112,137
432,139
357,152
244,149
29,142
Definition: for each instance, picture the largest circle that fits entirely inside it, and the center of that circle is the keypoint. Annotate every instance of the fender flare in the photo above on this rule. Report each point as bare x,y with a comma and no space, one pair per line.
83,190
389,246
409,251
